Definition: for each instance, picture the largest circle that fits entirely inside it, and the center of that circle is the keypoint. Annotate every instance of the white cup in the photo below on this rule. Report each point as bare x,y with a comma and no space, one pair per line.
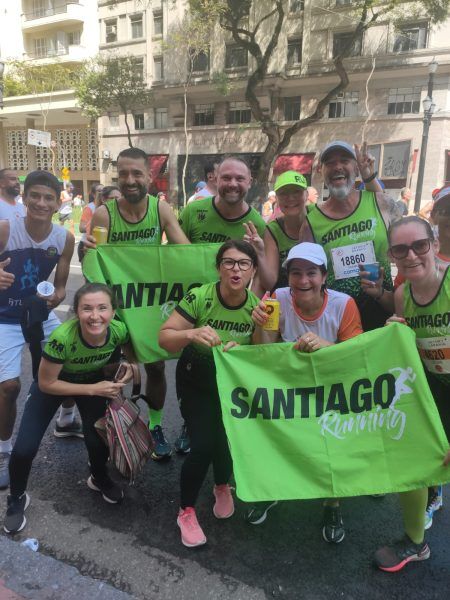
45,289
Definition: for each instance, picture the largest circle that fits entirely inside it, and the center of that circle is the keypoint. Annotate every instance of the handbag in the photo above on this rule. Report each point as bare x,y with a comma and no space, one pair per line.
124,432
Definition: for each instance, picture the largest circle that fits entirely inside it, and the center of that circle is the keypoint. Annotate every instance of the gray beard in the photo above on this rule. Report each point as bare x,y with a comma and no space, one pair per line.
341,192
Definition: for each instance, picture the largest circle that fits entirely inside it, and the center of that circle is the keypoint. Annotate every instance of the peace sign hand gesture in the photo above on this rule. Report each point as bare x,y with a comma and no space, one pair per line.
365,161
252,237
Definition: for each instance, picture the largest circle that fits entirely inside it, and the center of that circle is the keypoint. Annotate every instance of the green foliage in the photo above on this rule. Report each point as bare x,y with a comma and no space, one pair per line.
23,78
106,82
222,83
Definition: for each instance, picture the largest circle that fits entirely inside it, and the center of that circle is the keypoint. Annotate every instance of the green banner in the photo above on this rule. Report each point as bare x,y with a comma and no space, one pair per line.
149,281
352,419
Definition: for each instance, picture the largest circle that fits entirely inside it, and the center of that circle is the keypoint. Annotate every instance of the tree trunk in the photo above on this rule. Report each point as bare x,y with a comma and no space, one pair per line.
186,136
125,112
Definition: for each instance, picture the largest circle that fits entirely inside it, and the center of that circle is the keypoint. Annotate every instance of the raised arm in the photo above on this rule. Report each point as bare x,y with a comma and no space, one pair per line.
62,272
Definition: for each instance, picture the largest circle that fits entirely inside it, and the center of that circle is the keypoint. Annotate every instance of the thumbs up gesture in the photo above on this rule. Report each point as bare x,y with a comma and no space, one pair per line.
6,279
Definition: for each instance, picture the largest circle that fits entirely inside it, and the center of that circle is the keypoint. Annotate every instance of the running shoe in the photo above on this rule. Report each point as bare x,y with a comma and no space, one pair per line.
183,441
162,447
109,490
4,469
394,558
434,504
224,505
333,526
75,429
191,533
15,519
257,514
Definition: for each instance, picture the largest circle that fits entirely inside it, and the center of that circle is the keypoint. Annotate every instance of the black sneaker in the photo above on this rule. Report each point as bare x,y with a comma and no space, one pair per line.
258,514
333,526
110,491
162,447
183,442
75,429
15,519
394,558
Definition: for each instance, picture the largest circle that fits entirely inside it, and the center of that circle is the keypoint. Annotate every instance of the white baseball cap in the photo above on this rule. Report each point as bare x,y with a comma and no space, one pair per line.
307,251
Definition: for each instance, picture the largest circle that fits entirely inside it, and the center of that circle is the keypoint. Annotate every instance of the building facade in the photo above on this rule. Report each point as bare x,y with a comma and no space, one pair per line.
43,32
388,72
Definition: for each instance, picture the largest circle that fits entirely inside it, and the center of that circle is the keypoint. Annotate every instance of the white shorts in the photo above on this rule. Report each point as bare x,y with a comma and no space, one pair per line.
12,343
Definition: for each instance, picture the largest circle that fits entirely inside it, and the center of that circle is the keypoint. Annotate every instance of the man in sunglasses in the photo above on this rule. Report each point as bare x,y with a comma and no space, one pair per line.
352,227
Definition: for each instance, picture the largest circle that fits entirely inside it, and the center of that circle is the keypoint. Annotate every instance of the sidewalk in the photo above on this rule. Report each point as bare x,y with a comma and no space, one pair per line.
28,575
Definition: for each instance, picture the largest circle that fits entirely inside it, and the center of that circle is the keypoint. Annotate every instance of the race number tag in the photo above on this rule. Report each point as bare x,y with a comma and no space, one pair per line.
346,260
435,353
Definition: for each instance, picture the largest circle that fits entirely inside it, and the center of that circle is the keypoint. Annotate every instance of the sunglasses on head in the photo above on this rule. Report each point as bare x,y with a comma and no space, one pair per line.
419,247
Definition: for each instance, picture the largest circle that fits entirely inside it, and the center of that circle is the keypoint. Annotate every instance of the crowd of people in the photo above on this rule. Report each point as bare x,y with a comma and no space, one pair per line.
313,257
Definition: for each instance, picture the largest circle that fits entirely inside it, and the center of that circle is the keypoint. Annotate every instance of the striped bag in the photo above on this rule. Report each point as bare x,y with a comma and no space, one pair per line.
125,433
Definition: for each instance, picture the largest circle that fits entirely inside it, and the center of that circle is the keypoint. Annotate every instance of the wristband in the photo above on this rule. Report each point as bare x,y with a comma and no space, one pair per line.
371,177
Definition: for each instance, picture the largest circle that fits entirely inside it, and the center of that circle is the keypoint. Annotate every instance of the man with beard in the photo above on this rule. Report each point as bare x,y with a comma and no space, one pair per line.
9,190
352,227
140,218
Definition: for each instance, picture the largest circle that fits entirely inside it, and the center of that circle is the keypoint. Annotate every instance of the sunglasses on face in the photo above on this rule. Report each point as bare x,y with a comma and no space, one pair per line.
244,263
419,247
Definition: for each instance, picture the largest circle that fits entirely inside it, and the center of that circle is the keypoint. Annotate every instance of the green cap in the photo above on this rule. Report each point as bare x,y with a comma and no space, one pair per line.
290,178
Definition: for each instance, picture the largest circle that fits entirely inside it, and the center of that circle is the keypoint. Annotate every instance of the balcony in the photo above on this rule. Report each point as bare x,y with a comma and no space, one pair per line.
66,54
71,13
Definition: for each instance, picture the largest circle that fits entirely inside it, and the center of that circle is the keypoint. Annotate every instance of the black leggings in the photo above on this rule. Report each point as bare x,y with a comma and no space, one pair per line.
39,410
200,408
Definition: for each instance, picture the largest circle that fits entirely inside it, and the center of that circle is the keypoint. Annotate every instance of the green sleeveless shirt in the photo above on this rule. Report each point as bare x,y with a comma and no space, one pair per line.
146,232
284,244
431,323
361,237
203,224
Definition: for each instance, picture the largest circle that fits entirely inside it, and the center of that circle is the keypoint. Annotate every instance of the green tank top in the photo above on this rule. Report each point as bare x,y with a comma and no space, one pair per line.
146,232
284,244
203,224
431,323
82,363
361,237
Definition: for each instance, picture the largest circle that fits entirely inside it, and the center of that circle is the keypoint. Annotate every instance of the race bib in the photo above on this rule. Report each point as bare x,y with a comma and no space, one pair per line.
435,353
346,259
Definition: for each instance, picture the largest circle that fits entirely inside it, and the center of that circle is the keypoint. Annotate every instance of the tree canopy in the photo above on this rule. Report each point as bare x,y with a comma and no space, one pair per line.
22,78
108,83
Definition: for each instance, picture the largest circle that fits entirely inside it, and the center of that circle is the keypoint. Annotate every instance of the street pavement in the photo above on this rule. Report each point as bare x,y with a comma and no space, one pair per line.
91,550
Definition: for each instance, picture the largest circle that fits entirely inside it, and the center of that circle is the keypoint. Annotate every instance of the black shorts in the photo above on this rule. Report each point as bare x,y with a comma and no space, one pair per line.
441,395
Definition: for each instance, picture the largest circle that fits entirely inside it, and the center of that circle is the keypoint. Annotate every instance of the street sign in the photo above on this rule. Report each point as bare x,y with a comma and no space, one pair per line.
39,138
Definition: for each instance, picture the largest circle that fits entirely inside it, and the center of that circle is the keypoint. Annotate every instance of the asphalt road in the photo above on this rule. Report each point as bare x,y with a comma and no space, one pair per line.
136,546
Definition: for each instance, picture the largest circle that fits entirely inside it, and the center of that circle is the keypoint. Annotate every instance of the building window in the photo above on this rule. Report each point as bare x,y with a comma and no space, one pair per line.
74,38
39,8
114,122
160,118
343,2
139,121
235,57
404,100
238,112
203,114
137,27
296,5
292,108
138,68
344,105
40,47
294,52
411,37
200,62
111,31
158,23
158,68
341,42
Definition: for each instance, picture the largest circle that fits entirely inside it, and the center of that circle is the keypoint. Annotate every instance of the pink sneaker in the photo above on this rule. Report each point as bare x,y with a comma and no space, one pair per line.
191,533
224,506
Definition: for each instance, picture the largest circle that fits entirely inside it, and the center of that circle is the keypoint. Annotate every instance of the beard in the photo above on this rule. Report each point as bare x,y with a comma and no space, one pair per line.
134,197
341,192
13,190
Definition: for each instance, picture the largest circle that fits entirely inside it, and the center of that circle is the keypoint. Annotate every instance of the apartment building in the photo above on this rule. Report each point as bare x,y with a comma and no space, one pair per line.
388,70
43,32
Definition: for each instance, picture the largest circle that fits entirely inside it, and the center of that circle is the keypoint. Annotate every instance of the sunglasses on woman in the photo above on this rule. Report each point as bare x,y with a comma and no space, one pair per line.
419,247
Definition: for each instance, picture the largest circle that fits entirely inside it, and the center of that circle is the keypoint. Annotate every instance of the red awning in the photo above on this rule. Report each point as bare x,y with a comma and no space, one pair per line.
156,163
302,163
